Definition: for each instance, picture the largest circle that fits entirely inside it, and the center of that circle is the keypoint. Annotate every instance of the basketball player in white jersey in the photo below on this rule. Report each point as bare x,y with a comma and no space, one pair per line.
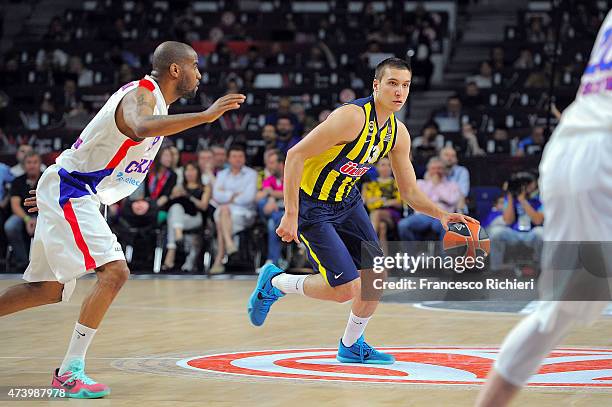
108,161
576,187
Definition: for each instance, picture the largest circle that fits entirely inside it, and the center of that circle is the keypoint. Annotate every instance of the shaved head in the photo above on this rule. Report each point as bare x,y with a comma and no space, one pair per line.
171,52
177,62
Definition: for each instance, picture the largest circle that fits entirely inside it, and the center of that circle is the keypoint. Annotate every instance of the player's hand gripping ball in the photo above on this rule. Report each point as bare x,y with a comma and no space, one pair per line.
466,240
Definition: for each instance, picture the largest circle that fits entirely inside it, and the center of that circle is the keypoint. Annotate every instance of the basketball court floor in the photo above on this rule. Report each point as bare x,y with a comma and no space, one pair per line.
174,342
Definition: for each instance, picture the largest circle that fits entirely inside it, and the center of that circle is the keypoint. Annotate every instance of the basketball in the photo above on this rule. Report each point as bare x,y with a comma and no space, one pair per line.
466,240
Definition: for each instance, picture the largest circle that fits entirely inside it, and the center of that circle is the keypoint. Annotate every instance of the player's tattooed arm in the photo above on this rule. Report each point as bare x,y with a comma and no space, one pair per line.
136,114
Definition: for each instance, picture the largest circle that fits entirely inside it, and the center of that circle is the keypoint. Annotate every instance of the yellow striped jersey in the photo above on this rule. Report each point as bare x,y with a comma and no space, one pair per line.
330,176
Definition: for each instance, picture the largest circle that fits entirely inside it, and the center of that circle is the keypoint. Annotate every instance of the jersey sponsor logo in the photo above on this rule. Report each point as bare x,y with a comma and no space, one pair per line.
423,365
388,135
141,166
354,169
121,177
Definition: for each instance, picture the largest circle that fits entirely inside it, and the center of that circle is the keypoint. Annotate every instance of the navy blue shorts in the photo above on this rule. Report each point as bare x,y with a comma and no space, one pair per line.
334,233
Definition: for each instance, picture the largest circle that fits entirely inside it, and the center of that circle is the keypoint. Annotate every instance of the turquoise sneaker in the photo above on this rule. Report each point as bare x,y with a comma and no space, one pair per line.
75,383
264,295
361,352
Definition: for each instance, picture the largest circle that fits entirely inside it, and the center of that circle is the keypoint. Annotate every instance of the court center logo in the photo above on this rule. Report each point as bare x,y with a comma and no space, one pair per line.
576,367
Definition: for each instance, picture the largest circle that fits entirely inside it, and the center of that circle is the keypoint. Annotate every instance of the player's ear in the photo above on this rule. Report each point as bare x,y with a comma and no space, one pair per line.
375,85
174,70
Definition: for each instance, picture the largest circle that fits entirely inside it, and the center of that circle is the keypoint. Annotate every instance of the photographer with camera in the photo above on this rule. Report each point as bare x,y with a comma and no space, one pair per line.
523,219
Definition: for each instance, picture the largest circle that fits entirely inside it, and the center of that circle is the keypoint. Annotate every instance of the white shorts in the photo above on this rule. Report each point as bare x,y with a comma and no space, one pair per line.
70,240
576,191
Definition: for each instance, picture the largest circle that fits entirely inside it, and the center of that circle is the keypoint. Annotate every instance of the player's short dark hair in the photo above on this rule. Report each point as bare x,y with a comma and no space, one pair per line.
168,53
393,62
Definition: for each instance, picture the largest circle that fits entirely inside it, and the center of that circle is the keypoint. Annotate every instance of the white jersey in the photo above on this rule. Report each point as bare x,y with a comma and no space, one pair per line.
103,161
592,109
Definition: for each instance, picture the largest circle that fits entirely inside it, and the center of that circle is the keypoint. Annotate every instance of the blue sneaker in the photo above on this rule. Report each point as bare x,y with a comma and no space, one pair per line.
361,352
264,294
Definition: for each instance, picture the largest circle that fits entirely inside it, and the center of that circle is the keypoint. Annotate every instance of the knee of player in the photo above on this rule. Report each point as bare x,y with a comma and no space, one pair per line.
51,291
346,292
114,275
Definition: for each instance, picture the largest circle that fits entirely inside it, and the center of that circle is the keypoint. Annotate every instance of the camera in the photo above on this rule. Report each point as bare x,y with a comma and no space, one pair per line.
518,181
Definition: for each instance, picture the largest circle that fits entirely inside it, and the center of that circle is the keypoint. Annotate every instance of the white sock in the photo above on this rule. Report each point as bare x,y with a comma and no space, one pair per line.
354,329
81,338
290,283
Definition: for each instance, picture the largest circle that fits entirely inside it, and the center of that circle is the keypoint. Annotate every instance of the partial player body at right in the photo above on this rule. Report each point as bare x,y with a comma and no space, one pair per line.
576,187
326,212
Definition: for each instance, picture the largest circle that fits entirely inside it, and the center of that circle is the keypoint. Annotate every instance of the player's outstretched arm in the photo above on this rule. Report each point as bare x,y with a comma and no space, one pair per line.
135,115
407,185
343,125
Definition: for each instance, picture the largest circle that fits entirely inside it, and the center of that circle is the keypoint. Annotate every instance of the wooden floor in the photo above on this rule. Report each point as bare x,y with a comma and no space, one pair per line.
199,317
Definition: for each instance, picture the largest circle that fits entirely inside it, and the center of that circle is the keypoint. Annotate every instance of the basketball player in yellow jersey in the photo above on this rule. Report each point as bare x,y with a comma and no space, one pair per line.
323,210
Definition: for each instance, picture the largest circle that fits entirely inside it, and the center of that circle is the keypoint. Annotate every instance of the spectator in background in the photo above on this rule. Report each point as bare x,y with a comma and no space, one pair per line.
472,98
18,169
448,117
283,109
286,137
441,191
56,31
188,201
125,73
5,179
455,172
176,164
494,217
297,109
499,143
269,161
268,134
84,77
270,202
430,138
484,79
161,179
533,144
422,64
535,32
20,221
207,167
320,57
219,158
382,199
470,145
69,99
427,145
234,194
498,61
252,59
525,60
523,219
